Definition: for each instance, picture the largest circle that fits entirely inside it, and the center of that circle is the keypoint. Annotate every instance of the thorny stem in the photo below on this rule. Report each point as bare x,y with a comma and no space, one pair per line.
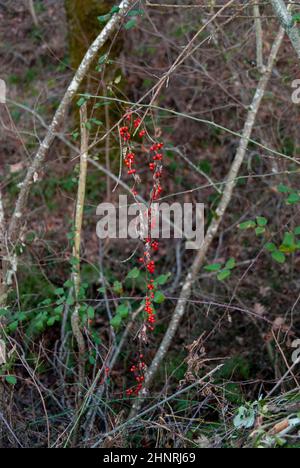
214,226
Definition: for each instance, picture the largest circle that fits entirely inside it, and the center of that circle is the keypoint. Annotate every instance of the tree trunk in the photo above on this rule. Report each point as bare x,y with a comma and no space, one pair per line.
83,25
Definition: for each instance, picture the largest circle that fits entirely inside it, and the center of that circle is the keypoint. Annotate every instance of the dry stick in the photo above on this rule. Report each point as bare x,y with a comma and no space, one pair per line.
3,296
33,13
61,112
75,319
259,38
287,23
214,226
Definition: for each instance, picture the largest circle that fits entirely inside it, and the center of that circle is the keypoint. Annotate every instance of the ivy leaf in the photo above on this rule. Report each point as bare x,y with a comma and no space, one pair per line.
279,257
213,267
247,225
159,297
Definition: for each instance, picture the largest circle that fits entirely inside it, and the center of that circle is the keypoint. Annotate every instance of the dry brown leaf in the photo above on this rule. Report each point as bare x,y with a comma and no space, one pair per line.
280,427
259,309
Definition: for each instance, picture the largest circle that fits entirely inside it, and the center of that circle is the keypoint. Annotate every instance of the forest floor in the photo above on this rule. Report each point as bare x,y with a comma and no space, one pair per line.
252,337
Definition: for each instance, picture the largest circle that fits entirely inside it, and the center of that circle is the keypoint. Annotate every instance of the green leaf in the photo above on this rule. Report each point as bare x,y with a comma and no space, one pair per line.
261,221
115,9
231,264
123,311
279,257
91,313
259,231
159,297
288,239
51,321
81,101
11,379
283,188
130,24
70,301
136,13
270,247
134,274
102,60
296,18
163,279
104,18
116,322
69,284
293,198
59,309
297,231
96,122
118,287
223,275
118,79
247,225
59,292
13,326
213,267
3,312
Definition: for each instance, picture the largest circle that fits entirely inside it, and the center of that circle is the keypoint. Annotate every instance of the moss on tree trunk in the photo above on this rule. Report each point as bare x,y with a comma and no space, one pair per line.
83,28
83,25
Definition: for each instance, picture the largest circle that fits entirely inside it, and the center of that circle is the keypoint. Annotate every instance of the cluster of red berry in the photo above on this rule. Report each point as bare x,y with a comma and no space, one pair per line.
138,371
127,133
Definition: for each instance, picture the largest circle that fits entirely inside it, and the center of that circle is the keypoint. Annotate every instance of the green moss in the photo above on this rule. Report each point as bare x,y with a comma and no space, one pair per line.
83,25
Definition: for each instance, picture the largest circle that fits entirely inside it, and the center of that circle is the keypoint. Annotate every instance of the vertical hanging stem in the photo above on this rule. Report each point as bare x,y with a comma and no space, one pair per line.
75,320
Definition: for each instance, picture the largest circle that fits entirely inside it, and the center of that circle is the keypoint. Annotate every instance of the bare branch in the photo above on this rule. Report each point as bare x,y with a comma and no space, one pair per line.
287,23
